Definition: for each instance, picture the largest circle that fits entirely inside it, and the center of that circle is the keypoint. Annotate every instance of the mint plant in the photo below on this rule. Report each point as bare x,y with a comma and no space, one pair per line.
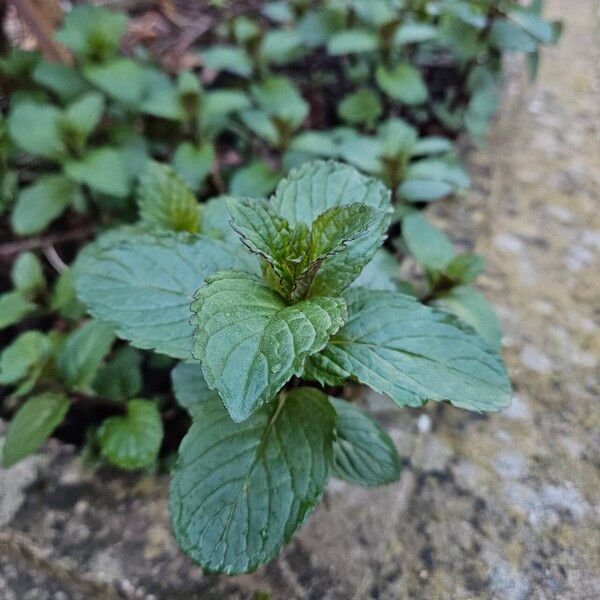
274,323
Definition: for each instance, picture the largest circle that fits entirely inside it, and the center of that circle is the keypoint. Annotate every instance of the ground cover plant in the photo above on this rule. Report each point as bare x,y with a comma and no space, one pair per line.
197,264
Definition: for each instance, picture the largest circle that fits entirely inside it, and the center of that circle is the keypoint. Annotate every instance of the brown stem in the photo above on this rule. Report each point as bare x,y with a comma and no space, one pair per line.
38,24
52,239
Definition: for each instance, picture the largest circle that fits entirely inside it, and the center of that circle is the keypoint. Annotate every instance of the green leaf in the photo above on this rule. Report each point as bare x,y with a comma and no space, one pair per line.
32,424
315,143
280,46
428,245
262,231
34,128
92,32
121,78
259,122
472,307
280,98
190,387
83,353
27,275
402,82
240,491
362,106
14,306
424,190
254,180
59,78
85,113
102,170
316,187
352,41
431,145
165,202
227,58
39,204
121,377
541,30
132,441
251,342
63,298
193,163
465,268
24,359
509,37
411,33
380,273
145,285
332,262
363,452
412,353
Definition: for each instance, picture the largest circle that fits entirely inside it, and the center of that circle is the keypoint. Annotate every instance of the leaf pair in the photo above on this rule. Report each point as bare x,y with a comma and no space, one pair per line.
295,259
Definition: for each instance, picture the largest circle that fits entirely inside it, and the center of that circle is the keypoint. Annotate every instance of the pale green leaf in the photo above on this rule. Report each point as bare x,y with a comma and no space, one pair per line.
363,452
250,342
352,41
84,113
361,106
34,128
465,268
194,163
27,275
121,78
91,31
14,306
412,353
24,358
472,307
428,245
402,82
33,423
240,491
39,204
145,285
254,180
227,58
132,441
102,170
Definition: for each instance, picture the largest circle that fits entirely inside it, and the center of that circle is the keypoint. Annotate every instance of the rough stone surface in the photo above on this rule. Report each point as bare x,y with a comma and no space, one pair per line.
489,507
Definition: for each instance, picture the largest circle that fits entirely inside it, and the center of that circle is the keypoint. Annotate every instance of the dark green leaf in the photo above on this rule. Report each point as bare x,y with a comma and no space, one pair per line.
363,452
241,491
121,377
